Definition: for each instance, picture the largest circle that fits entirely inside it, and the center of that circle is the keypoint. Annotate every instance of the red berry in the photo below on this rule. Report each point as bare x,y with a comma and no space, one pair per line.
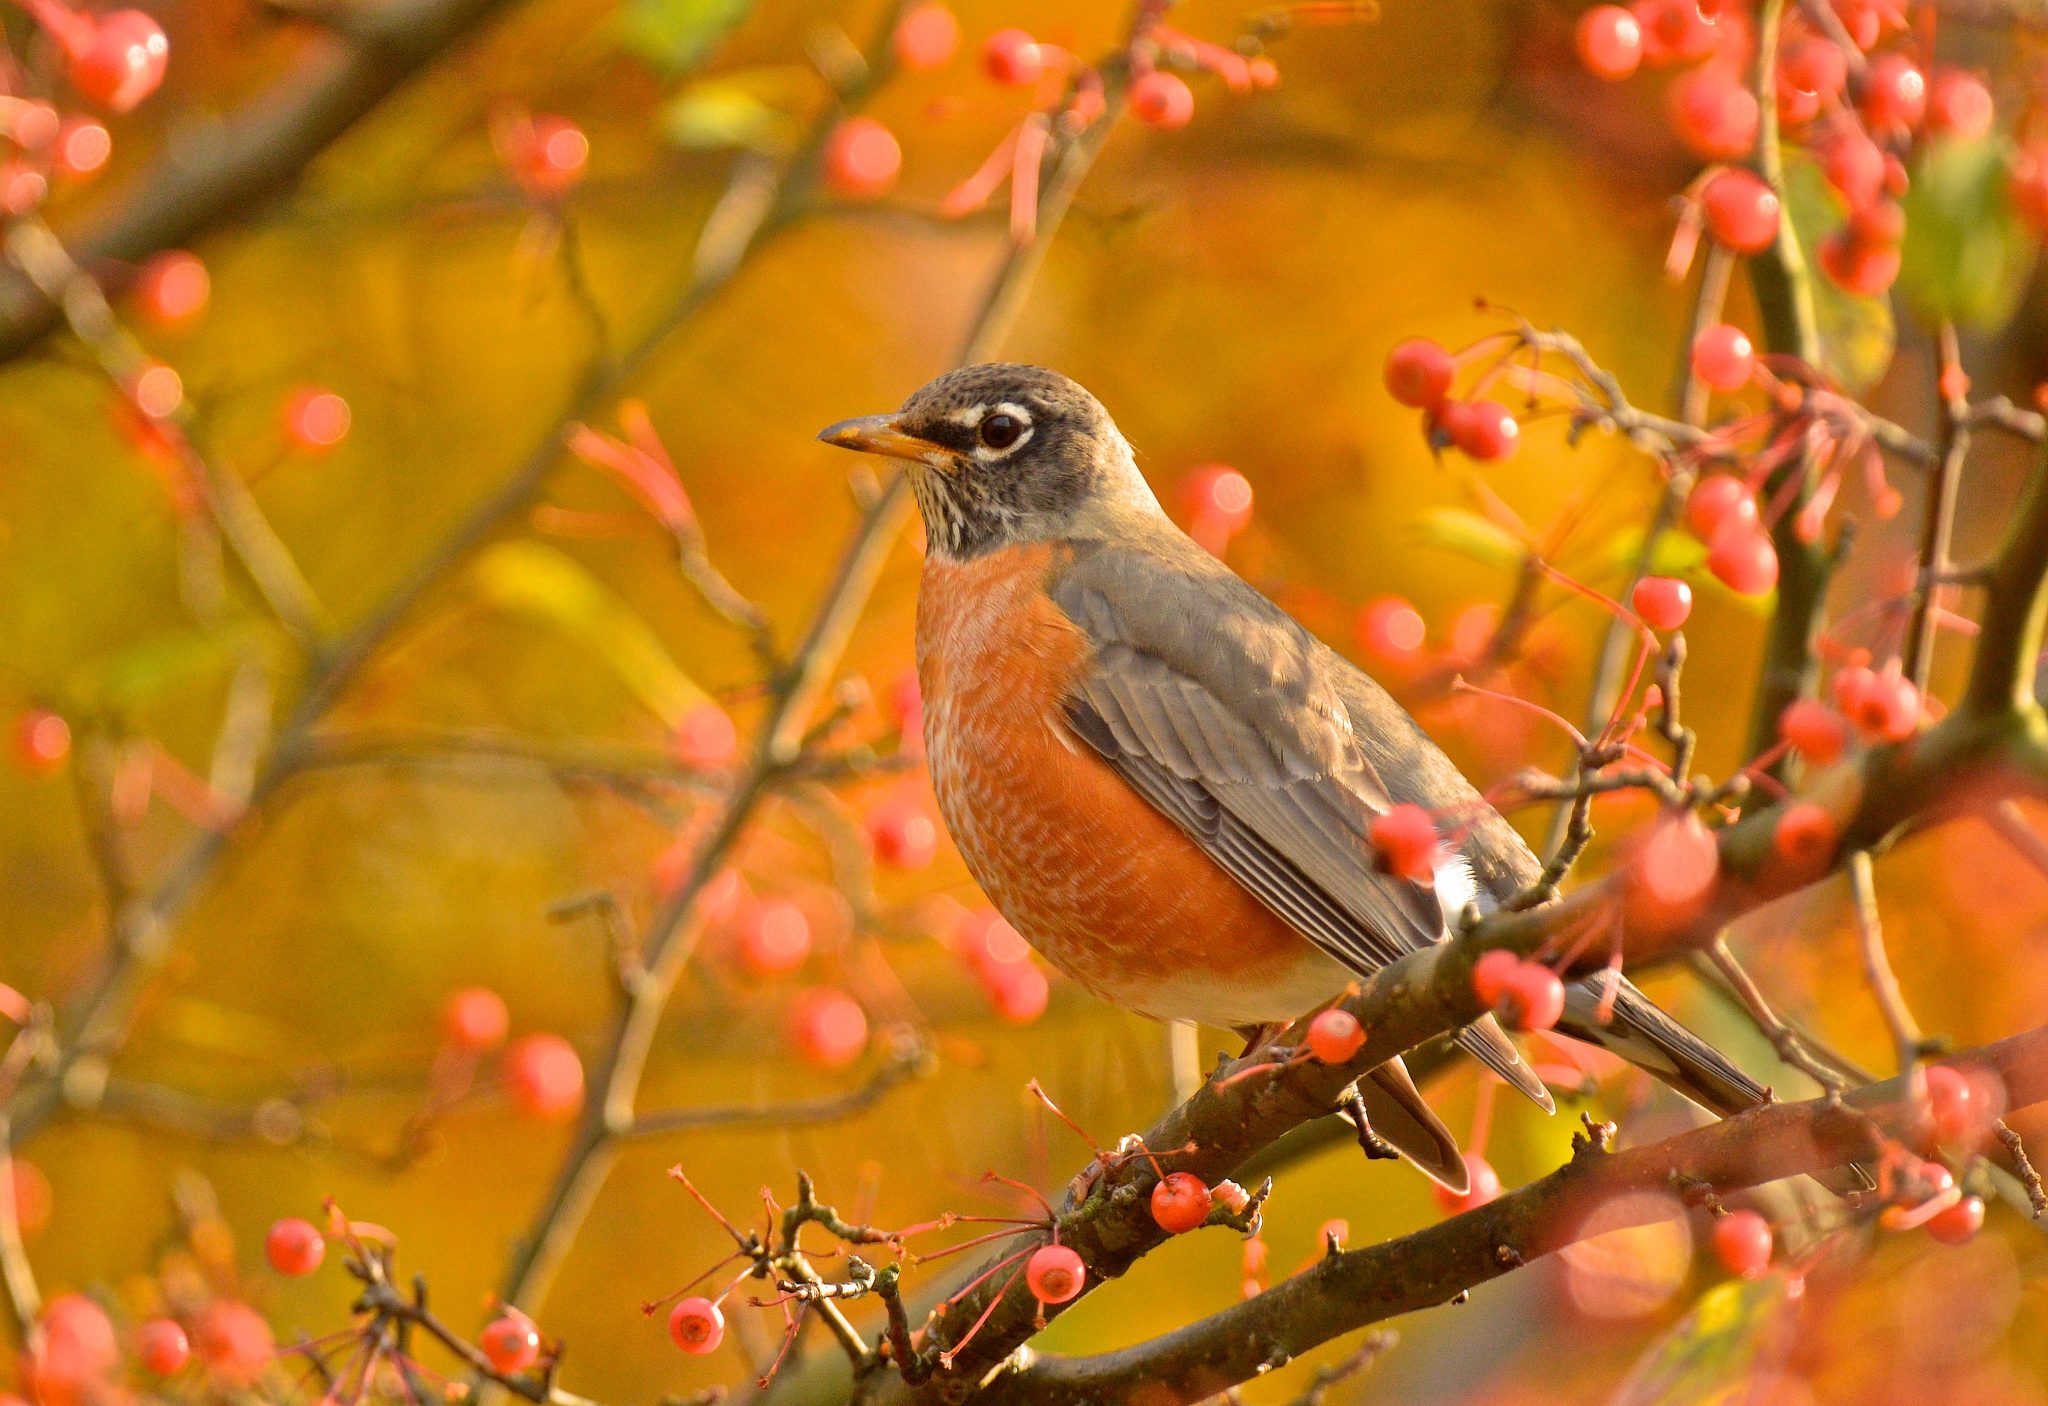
294,1247
1674,31
1879,222
544,1076
1012,57
1390,630
234,1342
1163,100
156,391
1535,997
1886,707
1958,1224
1951,1103
828,1027
1019,991
510,1342
1675,865
1218,496
1492,975
1664,602
1055,1274
2028,186
475,1019
1851,685
1419,373
1958,105
81,148
546,155
1723,357
1815,66
1894,92
1742,1242
1806,836
1854,166
119,59
1335,1035
171,288
1862,19
42,740
1816,731
1484,1187
862,159
926,37
315,419
1856,267
697,1325
69,1366
1713,502
1405,840
902,832
1487,431
705,738
906,706
1714,113
1741,211
985,940
1180,1202
774,937
1742,556
162,1346
1609,41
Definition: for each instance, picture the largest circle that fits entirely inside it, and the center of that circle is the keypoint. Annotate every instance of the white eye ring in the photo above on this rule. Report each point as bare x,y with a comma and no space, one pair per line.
1001,430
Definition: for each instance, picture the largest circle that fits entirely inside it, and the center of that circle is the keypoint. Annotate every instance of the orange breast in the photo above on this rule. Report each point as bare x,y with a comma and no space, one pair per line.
1108,889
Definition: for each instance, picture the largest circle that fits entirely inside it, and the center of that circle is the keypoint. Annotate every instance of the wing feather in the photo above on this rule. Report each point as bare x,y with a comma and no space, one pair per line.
1294,835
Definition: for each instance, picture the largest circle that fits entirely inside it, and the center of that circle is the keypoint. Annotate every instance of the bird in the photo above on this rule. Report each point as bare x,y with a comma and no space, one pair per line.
1165,782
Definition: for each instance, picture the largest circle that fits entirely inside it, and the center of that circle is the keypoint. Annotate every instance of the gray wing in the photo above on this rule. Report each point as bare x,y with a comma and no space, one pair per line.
1242,740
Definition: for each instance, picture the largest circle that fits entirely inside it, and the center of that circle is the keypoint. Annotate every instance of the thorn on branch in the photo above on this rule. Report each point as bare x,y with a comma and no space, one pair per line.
1598,1137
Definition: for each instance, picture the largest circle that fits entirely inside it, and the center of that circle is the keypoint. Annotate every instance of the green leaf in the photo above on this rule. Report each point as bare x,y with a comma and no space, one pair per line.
140,673
1677,554
1857,334
539,583
1708,1357
736,110
1468,535
676,35
1967,251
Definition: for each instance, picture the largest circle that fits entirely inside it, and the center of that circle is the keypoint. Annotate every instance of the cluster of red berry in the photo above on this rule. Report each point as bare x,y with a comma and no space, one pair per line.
542,1073
1859,107
113,61
76,1352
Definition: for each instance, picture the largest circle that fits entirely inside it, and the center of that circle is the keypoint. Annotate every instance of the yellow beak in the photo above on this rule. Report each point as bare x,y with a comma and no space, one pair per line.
881,434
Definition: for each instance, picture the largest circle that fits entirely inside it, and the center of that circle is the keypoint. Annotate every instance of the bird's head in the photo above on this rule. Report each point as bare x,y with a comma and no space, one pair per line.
1002,454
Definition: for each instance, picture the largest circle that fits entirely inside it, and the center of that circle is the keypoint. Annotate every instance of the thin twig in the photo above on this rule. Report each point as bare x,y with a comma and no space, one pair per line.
1877,964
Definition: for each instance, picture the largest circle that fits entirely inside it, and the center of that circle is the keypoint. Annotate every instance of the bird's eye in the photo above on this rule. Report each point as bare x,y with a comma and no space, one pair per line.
1000,430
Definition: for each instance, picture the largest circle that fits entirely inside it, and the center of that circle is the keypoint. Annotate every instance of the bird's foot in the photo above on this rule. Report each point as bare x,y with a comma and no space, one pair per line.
1128,1146
1376,1148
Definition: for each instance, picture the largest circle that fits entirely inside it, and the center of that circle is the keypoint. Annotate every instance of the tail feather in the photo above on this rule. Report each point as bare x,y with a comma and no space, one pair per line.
1485,1041
1641,1033
1400,1115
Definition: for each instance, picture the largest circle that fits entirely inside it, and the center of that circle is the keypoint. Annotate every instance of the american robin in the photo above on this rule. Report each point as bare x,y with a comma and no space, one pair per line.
1162,780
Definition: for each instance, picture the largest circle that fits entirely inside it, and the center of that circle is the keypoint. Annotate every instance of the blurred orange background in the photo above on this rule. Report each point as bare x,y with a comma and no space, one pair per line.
1229,291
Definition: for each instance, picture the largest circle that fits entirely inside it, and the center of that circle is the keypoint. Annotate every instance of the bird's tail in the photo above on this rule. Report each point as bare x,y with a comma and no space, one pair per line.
1641,1033
1400,1115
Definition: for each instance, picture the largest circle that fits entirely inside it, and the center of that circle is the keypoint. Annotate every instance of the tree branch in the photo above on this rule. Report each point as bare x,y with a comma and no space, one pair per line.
220,171
1355,1288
